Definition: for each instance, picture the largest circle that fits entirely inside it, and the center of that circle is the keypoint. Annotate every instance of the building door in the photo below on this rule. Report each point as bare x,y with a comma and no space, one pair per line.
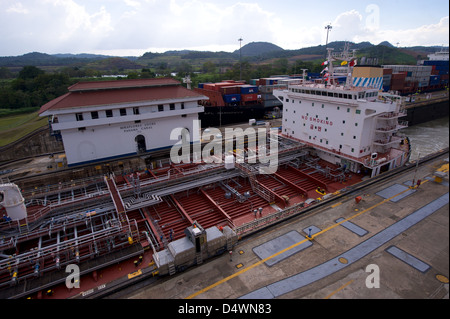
140,144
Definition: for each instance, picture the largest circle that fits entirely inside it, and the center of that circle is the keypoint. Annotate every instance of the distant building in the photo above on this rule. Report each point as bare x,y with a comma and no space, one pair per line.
108,119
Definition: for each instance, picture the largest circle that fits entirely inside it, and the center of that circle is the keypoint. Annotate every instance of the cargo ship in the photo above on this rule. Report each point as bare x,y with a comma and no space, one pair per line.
160,220
233,102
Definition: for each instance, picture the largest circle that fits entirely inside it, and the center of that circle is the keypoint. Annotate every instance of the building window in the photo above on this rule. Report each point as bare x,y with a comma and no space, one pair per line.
313,104
356,124
160,108
109,113
79,116
343,121
342,134
287,100
94,115
338,108
348,110
172,106
353,150
182,105
354,137
135,111
323,106
123,112
358,111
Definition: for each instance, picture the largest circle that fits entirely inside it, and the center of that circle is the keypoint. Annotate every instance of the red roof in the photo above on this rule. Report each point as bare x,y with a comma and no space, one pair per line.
121,84
85,94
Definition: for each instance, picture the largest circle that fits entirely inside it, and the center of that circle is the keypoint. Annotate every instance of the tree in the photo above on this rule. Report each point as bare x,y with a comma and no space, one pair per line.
30,72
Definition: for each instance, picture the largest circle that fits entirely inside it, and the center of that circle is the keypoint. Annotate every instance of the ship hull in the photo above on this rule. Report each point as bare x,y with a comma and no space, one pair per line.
215,116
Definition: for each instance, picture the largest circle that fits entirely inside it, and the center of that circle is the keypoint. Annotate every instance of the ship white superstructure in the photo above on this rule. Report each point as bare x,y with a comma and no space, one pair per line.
353,127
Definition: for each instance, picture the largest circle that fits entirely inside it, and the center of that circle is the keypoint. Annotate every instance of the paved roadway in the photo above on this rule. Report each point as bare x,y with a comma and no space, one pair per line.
395,239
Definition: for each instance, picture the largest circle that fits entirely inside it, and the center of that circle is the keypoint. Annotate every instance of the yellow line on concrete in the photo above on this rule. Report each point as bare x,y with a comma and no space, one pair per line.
336,205
339,289
292,246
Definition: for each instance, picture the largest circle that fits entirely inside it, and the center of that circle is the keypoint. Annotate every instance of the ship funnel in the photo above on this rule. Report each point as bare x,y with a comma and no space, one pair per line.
11,198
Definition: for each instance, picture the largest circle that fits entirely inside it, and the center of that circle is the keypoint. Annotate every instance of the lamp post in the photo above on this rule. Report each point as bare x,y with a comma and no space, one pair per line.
328,27
240,59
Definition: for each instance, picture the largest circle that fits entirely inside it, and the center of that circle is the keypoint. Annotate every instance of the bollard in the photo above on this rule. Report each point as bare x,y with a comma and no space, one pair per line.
358,199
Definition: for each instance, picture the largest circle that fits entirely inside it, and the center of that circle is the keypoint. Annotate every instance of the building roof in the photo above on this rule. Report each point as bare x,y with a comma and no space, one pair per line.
122,84
84,94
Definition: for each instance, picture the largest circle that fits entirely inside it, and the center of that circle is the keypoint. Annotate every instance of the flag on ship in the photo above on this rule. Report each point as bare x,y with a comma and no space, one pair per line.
343,62
325,63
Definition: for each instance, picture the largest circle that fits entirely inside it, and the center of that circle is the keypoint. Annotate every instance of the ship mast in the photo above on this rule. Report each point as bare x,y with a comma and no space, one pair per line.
348,57
330,65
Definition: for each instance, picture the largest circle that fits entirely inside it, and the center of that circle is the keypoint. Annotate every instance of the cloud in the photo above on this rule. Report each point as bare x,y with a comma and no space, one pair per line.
137,26
17,8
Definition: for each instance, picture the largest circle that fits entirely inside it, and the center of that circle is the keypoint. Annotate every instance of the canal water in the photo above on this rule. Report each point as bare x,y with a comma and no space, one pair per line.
428,137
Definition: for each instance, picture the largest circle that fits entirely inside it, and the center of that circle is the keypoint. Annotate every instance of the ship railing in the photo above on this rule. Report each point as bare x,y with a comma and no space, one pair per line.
392,115
398,126
388,141
269,219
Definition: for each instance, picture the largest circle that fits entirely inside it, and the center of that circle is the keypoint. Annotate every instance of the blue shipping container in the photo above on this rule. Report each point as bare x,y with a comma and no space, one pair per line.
437,63
249,89
434,79
232,98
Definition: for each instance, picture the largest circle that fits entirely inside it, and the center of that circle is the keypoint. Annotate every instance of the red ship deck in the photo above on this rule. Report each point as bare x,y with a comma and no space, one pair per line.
209,206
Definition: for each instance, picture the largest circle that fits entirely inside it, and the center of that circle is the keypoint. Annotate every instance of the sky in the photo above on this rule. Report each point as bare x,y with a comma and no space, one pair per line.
133,27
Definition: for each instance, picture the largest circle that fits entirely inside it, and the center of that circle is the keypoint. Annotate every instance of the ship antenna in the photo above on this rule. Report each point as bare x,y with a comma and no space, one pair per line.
304,75
187,80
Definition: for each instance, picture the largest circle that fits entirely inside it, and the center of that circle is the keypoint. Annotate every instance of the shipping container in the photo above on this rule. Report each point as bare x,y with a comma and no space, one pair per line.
249,97
232,98
248,89
230,89
435,79
209,86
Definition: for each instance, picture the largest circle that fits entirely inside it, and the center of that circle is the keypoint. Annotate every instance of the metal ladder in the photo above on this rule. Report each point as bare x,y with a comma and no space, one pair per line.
172,269
199,258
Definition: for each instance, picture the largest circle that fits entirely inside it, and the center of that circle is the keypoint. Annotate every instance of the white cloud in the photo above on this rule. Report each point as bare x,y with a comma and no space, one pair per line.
55,26
17,8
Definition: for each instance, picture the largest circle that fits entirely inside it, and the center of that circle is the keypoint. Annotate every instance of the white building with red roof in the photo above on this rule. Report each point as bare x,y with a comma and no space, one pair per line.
109,119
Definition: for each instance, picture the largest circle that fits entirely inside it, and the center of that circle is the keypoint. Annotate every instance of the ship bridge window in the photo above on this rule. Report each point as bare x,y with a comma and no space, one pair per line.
361,95
324,93
330,94
281,98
